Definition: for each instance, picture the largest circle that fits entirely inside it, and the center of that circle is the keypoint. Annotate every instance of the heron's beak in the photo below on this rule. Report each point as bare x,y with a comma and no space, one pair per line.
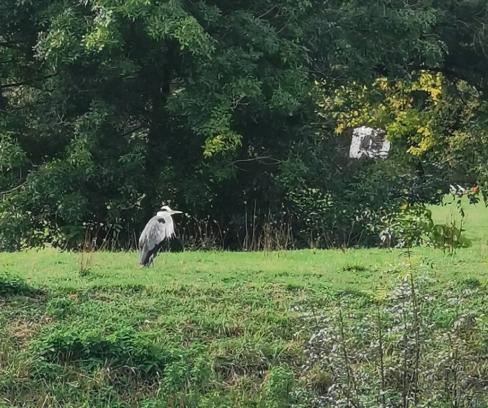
175,212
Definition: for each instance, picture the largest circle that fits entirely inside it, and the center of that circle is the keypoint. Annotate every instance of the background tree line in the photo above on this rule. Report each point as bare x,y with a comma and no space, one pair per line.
234,112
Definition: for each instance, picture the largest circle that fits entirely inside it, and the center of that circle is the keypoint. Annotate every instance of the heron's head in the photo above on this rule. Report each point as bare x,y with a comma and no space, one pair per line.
168,211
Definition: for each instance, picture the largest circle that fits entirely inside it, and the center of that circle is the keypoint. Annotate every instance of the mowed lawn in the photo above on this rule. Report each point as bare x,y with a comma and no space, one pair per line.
311,270
223,329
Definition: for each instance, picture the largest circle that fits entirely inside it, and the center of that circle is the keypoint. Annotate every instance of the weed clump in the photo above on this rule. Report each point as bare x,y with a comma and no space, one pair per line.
122,346
60,307
13,285
276,391
416,347
124,358
355,268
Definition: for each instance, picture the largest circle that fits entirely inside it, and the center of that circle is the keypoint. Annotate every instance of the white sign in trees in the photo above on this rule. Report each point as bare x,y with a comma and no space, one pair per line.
369,142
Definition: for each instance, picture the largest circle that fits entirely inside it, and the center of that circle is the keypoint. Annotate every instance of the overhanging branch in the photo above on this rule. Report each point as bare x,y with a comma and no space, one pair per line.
2,193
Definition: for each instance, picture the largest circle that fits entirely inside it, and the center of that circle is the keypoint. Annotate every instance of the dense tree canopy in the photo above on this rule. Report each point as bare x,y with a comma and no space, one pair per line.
231,110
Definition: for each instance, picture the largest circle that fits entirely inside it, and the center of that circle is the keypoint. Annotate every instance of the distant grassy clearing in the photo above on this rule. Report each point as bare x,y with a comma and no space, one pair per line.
475,221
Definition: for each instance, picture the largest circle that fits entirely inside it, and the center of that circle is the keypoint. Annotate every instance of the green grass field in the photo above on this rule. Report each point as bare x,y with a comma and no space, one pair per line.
359,328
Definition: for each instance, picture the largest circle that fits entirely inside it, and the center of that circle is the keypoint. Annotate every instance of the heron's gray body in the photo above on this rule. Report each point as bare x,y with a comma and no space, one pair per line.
158,229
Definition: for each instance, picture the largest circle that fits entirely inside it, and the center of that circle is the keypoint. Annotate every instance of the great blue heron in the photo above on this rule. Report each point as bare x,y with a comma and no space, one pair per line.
158,229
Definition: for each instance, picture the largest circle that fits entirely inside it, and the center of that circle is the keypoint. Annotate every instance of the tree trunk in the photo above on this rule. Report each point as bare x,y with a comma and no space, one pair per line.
158,133
155,156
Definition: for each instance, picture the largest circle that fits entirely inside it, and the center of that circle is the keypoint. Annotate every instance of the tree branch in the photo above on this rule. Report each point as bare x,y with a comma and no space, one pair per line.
135,129
13,85
30,83
268,11
12,189
258,158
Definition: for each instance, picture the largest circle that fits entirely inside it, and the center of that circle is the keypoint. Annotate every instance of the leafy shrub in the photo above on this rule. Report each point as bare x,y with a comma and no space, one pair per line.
447,237
411,225
60,307
13,285
189,370
127,354
121,346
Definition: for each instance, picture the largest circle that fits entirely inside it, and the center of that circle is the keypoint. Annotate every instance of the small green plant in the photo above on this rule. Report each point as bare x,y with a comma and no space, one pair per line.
411,225
414,226
60,307
86,255
277,388
13,285
355,268
118,345
190,372
447,237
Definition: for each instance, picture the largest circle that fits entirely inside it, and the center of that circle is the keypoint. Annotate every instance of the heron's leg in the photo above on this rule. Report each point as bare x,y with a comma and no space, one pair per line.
157,249
153,257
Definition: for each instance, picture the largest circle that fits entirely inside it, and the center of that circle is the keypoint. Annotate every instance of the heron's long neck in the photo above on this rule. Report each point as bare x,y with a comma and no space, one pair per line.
169,225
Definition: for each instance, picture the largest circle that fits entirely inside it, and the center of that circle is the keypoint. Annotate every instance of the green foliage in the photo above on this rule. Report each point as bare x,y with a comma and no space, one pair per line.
277,388
108,108
60,307
88,345
11,154
13,285
412,225
447,236
188,374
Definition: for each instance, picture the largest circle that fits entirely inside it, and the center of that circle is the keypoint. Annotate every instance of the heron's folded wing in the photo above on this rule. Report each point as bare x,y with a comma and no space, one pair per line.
156,233
149,232
143,236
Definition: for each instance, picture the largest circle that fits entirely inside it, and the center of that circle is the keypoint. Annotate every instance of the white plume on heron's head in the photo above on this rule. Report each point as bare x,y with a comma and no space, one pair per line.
165,211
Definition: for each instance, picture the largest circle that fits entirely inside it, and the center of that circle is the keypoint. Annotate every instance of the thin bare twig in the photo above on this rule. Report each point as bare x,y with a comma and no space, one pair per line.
258,158
382,358
30,83
12,189
416,328
271,9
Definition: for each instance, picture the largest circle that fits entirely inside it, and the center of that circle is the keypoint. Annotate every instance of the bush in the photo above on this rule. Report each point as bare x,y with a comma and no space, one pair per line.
13,285
127,354
89,346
